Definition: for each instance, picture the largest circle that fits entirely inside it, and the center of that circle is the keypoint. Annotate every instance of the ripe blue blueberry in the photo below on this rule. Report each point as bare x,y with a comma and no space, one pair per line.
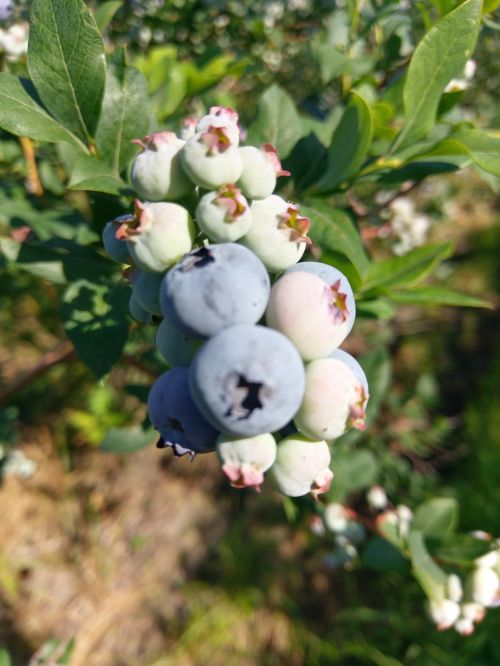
6,9
137,312
115,248
174,414
146,289
215,287
247,380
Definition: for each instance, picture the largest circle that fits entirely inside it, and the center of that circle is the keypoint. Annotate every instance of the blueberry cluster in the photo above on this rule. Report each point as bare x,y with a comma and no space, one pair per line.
256,372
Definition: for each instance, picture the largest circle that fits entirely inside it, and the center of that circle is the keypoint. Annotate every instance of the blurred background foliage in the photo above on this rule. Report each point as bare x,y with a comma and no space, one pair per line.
254,583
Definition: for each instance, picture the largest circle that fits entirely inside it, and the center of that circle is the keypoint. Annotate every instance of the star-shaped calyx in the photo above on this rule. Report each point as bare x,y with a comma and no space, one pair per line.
230,198
272,155
338,303
245,396
295,225
322,483
357,413
156,140
128,226
243,475
216,139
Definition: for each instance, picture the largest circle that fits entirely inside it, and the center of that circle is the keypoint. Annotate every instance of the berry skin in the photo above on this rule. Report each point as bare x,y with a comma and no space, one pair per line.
156,172
213,288
115,248
337,281
174,414
302,466
244,460
137,312
211,158
278,234
334,399
261,168
176,347
310,312
224,216
221,116
443,613
158,235
146,289
247,380
6,9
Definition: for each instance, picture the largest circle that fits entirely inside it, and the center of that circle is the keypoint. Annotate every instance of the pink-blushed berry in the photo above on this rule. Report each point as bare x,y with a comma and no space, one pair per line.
444,613
221,117
334,400
156,172
278,234
261,168
302,467
157,235
224,216
245,459
309,311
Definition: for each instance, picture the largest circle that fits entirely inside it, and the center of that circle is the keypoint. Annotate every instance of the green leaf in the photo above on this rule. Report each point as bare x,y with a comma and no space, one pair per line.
430,576
125,113
440,56
332,63
405,270
66,63
353,470
333,230
89,173
490,6
436,517
458,549
378,371
105,12
437,296
20,113
5,658
127,440
277,122
95,320
381,555
380,308
349,146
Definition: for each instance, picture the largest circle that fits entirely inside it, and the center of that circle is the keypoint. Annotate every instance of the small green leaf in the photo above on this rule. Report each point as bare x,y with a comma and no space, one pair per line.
379,308
353,470
277,122
21,114
127,440
95,320
5,658
437,296
105,12
440,56
436,517
125,113
405,270
430,576
89,173
482,147
458,549
66,63
381,555
332,63
490,6
349,146
333,230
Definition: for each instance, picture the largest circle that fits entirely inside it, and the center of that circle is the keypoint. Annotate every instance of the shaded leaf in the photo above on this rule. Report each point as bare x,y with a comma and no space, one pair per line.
105,12
66,63
95,320
89,173
349,146
458,549
381,555
353,470
436,517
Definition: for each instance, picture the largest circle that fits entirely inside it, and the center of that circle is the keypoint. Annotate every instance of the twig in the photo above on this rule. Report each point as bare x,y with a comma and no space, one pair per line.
34,184
61,354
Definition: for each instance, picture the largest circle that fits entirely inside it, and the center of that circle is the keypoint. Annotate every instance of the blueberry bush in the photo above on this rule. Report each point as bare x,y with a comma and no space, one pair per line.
218,195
